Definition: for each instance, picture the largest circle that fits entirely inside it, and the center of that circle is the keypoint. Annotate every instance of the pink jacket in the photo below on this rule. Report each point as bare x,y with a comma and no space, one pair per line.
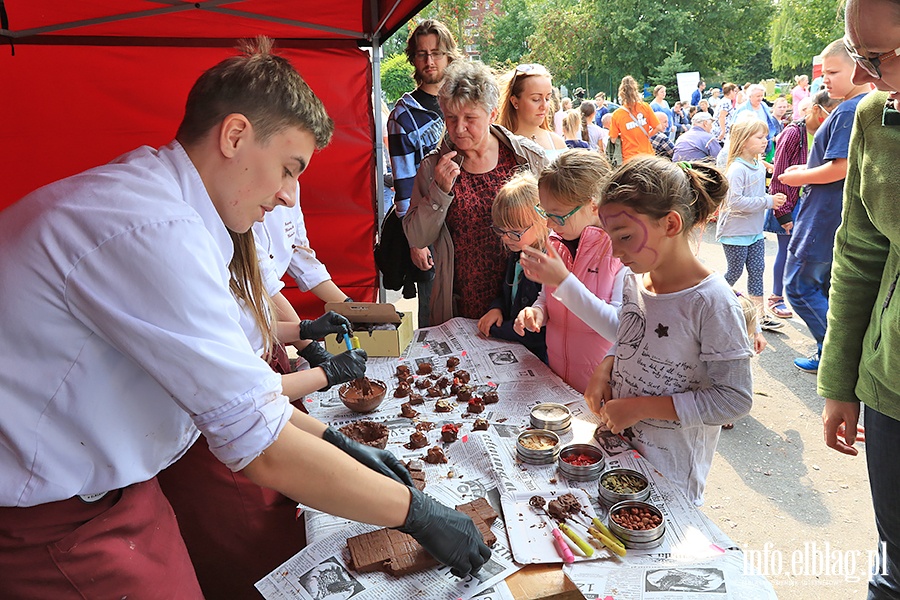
573,348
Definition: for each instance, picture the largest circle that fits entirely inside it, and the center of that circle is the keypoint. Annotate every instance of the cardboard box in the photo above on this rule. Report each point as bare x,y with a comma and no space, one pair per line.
387,342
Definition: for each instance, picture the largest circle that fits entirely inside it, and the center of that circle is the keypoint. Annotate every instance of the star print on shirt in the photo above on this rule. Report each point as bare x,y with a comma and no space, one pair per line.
662,330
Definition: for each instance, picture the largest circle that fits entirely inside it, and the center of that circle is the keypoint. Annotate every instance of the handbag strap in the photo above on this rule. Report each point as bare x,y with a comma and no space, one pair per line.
635,121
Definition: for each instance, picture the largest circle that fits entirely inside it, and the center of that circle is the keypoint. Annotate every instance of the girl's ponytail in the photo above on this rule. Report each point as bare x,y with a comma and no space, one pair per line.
710,188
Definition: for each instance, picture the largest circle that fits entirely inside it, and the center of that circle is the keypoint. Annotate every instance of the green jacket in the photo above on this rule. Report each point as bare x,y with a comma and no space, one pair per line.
861,355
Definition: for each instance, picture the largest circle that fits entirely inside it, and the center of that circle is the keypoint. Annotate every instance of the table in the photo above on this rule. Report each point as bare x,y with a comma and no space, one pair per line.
695,557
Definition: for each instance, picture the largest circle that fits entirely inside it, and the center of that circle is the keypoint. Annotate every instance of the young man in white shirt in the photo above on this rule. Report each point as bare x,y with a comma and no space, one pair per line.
122,345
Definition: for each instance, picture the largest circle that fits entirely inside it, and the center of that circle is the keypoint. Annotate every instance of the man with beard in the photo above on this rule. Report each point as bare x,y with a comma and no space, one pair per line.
414,129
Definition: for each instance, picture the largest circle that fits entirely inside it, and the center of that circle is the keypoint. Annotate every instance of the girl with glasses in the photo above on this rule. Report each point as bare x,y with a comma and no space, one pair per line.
681,365
525,107
518,226
581,278
861,354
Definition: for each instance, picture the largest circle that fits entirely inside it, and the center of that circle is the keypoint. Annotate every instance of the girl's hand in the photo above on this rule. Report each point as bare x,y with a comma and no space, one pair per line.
759,343
546,269
619,414
769,166
778,200
491,317
529,318
446,171
599,390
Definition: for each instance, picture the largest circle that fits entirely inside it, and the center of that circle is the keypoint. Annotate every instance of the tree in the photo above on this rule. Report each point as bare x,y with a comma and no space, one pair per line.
801,29
503,38
396,77
665,73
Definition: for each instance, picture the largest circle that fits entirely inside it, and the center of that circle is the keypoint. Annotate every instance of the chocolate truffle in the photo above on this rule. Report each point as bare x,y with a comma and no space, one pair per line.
435,456
402,390
480,425
417,440
422,383
443,381
450,432
435,392
464,394
476,405
462,376
424,426
452,363
416,399
442,406
407,379
402,371
557,510
408,411
490,397
425,368
455,387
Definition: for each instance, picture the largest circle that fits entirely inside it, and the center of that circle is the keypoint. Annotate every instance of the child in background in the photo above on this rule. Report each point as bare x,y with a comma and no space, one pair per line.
754,331
581,278
519,226
679,371
572,130
791,148
740,224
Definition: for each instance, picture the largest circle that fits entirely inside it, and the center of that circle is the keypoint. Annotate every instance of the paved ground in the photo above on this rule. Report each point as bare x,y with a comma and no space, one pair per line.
801,511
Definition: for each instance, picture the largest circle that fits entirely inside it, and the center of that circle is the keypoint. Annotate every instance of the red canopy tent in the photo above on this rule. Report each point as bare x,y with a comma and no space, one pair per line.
83,82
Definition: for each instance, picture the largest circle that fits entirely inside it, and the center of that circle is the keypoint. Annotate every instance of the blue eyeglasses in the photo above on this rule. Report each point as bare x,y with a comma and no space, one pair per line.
558,219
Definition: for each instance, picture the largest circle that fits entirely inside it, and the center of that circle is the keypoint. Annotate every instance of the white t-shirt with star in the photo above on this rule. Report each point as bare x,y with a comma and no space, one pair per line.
691,345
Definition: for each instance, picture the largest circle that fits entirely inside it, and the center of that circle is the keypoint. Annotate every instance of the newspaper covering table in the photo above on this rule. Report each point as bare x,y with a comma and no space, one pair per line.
695,557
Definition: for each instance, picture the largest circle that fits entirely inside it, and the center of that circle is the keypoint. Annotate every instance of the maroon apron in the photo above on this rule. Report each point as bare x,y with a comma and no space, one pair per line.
236,531
125,544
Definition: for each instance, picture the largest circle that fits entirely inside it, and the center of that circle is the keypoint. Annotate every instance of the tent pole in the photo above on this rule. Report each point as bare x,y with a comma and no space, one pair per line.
379,144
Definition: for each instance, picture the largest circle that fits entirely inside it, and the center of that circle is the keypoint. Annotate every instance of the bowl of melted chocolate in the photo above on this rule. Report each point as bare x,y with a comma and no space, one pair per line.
362,395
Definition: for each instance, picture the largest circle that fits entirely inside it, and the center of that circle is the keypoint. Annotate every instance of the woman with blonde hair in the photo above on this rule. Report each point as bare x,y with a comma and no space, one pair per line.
526,107
572,123
634,123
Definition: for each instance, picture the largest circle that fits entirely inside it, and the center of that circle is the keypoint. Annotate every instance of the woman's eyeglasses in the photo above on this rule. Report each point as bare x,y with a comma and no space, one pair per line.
433,55
870,64
558,219
512,234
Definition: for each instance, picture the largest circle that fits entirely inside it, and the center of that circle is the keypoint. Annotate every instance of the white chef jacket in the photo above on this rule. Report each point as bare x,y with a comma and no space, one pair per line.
283,247
120,336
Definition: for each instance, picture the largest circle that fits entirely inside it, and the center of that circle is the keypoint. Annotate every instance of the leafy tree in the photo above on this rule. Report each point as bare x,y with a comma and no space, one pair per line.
665,73
801,29
396,77
503,38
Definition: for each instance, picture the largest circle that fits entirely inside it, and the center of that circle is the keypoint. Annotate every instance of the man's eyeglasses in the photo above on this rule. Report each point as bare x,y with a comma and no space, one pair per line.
870,64
433,55
512,234
558,219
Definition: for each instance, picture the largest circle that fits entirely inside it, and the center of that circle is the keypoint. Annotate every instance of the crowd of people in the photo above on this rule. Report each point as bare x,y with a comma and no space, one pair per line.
568,230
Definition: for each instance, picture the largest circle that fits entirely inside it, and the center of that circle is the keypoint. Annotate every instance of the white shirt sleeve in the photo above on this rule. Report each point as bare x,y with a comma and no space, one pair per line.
305,268
599,315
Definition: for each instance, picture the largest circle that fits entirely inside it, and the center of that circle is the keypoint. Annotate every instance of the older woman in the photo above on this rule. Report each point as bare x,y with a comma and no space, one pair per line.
455,188
525,107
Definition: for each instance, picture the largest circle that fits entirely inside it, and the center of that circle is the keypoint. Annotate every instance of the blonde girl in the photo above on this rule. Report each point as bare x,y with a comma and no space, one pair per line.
519,226
572,122
581,279
681,368
743,214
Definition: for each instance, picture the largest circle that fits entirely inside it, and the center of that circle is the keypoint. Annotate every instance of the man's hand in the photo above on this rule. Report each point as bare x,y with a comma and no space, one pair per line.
490,318
841,419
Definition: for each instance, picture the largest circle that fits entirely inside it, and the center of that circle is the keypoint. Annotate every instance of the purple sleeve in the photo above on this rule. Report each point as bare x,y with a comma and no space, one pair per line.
788,152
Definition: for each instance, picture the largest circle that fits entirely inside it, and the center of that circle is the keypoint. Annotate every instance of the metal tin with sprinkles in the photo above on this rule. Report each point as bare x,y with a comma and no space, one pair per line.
551,416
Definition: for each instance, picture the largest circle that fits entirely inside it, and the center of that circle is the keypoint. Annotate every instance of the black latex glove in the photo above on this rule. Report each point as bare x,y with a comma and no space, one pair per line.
315,354
448,535
330,322
376,459
344,367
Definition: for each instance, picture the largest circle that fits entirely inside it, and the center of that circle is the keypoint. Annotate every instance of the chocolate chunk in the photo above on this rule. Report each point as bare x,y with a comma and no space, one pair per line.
452,363
462,376
435,392
450,432
425,368
416,440
443,381
480,425
435,456
408,379
402,390
408,411
416,470
476,405
454,388
490,397
556,510
442,406
402,371
424,426
422,383
415,399
464,394
434,376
